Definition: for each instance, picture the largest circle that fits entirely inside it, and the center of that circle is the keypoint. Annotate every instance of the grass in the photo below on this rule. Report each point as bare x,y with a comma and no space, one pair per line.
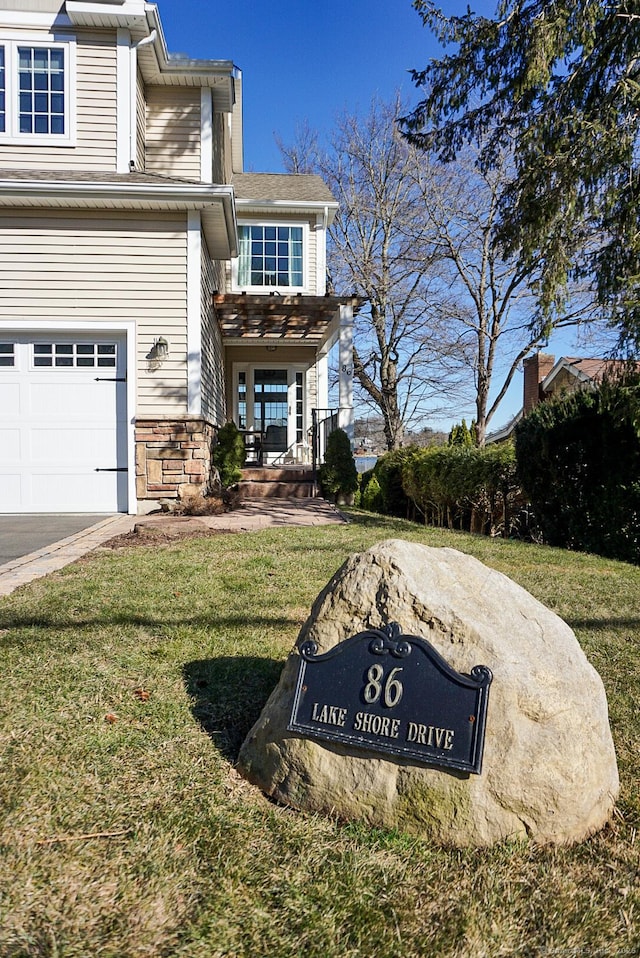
125,830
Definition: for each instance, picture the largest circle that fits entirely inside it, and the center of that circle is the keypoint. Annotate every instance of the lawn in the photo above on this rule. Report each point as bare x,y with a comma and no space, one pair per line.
129,682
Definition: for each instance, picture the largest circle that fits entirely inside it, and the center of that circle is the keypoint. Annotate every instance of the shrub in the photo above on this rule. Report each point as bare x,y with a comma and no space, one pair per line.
388,471
229,454
578,460
338,474
464,487
364,478
372,496
462,435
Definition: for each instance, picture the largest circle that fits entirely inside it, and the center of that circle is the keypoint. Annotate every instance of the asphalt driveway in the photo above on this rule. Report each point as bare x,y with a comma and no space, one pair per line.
21,535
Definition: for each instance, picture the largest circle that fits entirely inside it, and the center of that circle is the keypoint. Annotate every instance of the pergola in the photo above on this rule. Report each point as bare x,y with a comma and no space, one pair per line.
318,321
312,320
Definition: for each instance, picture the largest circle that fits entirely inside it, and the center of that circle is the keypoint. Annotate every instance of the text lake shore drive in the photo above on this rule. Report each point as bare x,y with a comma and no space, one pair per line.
393,693
430,735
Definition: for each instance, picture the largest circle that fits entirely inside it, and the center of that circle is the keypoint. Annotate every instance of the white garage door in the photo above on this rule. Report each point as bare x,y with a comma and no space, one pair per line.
63,423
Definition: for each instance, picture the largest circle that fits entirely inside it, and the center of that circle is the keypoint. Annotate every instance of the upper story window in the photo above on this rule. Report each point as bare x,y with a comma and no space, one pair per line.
42,90
35,91
270,256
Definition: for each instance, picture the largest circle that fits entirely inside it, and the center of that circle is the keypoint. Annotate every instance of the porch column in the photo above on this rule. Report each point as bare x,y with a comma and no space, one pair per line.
322,381
345,378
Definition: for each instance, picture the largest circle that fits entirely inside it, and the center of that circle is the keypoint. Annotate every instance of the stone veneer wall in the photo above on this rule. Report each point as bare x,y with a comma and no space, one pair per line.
173,456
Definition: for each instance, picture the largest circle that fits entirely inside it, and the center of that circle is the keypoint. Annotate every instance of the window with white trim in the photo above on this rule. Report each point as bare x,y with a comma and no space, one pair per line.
35,91
270,256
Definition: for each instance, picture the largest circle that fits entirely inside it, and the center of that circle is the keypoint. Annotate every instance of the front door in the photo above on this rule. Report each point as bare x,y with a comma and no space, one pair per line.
271,408
270,404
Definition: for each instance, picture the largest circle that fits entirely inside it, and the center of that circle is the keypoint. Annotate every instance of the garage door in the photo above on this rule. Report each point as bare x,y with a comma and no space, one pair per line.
63,423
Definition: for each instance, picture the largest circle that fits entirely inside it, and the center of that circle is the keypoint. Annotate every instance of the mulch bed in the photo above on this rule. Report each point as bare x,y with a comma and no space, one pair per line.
163,532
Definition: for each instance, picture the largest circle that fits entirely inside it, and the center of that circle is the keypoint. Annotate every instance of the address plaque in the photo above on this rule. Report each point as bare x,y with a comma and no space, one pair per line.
393,693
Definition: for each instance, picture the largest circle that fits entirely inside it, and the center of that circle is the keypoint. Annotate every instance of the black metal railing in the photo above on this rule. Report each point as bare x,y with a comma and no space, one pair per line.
323,423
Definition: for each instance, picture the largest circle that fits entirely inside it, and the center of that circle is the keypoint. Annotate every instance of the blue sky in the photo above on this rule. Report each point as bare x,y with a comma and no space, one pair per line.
305,62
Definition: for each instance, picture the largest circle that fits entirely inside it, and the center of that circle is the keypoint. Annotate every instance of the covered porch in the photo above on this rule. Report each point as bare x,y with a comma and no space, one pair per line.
277,376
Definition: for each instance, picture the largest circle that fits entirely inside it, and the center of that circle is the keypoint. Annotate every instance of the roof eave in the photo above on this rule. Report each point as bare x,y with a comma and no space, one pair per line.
570,367
288,206
211,201
158,66
156,63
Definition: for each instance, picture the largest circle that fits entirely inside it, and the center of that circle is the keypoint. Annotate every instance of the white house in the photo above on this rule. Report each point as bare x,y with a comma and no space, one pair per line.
150,288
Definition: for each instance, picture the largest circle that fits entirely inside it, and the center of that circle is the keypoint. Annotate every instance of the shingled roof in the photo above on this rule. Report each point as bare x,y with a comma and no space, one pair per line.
292,187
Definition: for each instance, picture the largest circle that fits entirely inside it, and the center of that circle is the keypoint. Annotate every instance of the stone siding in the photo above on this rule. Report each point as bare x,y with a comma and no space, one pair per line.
173,457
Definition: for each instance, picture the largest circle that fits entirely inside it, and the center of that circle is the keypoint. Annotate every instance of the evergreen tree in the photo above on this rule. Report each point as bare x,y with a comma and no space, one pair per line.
461,435
557,84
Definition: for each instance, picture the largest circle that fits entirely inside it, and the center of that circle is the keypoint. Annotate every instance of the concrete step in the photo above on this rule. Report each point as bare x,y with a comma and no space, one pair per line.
277,482
267,489
277,474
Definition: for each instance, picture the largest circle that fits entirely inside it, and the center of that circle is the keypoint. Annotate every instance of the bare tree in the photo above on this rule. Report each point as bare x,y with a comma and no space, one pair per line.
493,302
381,248
449,320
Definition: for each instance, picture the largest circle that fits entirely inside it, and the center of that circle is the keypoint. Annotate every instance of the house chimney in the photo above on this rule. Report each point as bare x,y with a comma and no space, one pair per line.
535,369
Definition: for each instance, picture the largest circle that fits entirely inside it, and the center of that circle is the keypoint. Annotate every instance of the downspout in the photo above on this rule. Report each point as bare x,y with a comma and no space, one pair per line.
325,227
322,357
133,89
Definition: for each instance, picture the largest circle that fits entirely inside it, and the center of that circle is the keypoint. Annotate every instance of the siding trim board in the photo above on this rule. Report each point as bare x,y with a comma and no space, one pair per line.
194,318
206,136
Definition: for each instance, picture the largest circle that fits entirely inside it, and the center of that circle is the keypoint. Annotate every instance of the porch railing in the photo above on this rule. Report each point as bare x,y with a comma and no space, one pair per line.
323,423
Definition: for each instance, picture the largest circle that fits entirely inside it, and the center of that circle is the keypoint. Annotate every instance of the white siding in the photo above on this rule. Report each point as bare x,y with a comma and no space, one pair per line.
173,132
32,6
96,116
141,110
222,167
213,388
105,267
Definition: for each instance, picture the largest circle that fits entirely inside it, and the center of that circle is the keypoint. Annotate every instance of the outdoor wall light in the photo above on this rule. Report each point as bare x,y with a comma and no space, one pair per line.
159,350
157,354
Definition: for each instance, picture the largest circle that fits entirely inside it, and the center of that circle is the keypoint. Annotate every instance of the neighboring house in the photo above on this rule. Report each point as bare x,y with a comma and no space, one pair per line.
545,378
151,290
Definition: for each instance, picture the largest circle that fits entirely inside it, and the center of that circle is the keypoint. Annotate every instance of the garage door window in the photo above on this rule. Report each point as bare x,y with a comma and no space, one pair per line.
79,355
7,355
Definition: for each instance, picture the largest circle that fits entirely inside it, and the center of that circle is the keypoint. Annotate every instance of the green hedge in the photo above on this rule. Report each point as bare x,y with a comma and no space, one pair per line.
579,464
388,471
464,487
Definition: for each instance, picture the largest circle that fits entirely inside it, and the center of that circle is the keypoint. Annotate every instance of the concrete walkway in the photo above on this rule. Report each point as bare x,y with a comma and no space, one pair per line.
252,515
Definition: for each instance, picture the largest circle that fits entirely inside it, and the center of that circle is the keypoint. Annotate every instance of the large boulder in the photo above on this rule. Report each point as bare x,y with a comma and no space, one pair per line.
549,769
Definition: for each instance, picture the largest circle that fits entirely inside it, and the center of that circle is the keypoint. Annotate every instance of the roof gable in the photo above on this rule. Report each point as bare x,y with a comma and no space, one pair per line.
296,189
